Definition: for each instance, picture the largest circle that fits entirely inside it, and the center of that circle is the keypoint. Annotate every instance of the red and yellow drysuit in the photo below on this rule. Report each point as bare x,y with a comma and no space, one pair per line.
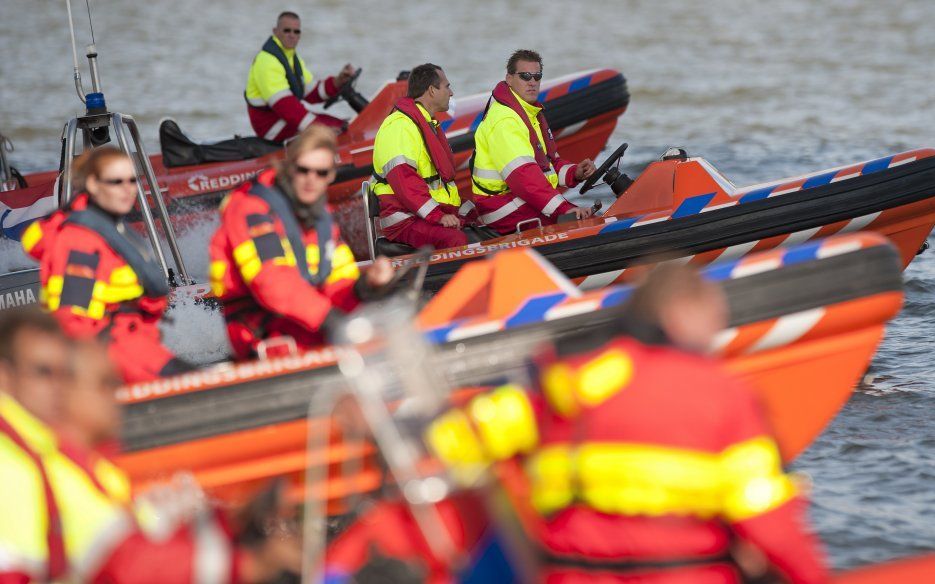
414,176
642,462
69,519
517,171
99,279
274,276
278,88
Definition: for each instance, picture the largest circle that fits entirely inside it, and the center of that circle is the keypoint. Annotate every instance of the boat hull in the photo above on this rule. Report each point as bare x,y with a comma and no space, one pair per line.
803,352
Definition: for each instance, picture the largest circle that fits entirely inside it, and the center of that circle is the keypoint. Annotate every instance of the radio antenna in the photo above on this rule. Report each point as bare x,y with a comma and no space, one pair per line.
74,52
90,20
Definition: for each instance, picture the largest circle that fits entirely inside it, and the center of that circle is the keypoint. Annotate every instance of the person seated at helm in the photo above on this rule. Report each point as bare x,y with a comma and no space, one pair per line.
99,278
278,263
414,170
517,171
280,86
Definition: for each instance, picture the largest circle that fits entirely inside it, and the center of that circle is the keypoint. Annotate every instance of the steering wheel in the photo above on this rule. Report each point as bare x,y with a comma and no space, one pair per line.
602,169
345,89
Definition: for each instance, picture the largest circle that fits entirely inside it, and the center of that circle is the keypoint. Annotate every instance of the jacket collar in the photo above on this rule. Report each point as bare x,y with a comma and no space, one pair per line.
532,109
425,112
40,438
287,52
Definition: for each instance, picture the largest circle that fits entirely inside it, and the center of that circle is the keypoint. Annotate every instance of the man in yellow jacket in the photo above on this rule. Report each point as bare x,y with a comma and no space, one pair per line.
280,86
517,171
414,169
64,510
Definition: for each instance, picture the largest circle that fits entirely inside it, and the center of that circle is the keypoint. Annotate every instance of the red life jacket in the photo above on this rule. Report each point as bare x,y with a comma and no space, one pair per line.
437,145
504,96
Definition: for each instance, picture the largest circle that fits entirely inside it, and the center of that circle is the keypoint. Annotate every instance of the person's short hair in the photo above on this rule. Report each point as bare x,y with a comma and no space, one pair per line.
312,138
421,78
286,14
15,320
522,55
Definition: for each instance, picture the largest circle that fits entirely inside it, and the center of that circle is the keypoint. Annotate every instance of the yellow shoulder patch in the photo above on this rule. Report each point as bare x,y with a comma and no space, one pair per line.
604,376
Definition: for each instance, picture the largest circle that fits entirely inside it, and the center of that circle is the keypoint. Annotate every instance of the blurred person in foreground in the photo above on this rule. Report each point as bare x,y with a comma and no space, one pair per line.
516,169
278,263
414,168
644,459
99,278
280,86
67,513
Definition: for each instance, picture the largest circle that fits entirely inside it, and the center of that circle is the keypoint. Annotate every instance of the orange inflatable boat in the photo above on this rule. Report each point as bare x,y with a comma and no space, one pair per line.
804,325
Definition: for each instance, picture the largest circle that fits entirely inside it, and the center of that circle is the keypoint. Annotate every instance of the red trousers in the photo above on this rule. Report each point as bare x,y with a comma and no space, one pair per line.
263,120
420,232
508,224
135,346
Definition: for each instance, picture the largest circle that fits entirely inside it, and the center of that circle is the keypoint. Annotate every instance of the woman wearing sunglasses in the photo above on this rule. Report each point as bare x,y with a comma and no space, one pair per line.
278,263
517,171
99,278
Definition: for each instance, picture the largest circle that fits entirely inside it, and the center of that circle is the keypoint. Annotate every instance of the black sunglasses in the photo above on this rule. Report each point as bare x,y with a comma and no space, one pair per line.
526,76
119,181
321,172
295,30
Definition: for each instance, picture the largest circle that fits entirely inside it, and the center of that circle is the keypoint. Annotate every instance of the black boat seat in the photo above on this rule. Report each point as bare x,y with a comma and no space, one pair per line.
380,244
383,246
478,233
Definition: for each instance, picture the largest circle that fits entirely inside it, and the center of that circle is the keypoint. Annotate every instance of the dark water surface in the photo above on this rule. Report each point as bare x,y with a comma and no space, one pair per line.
763,90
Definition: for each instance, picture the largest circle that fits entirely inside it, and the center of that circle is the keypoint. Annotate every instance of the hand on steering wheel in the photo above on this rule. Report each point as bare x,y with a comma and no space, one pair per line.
603,168
345,88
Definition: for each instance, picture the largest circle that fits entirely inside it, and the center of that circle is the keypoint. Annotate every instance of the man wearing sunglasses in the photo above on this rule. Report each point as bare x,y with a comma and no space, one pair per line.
280,86
414,169
278,263
67,514
516,170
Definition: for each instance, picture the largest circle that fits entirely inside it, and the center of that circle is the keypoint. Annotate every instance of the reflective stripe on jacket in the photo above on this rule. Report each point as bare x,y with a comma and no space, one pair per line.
636,452
91,498
268,81
276,110
400,145
254,272
91,511
502,179
89,269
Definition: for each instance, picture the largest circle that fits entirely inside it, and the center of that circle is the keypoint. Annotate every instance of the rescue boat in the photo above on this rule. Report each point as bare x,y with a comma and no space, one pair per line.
582,109
805,322
683,207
